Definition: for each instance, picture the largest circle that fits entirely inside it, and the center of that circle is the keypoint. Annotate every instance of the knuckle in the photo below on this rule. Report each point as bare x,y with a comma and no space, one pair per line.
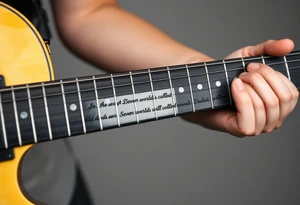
296,94
287,97
273,103
252,77
269,41
247,51
260,106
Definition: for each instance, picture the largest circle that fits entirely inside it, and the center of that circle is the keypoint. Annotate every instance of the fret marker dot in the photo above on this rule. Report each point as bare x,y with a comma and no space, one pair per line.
218,83
23,115
73,107
181,89
199,86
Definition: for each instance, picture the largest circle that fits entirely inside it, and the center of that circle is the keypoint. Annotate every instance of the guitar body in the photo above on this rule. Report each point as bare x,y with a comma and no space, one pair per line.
24,58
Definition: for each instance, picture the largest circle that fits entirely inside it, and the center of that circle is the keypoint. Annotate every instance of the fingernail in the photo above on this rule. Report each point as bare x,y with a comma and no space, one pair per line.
239,84
253,66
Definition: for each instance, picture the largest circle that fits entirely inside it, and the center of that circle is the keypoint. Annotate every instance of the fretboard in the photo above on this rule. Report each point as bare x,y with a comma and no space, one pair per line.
39,112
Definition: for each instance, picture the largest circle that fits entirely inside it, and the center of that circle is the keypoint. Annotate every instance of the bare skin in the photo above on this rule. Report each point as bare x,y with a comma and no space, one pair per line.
102,33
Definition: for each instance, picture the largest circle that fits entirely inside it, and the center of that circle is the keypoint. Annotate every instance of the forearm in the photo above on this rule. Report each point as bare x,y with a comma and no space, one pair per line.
117,40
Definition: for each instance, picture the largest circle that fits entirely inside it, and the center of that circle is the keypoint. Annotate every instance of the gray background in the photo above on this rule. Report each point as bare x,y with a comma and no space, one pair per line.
173,162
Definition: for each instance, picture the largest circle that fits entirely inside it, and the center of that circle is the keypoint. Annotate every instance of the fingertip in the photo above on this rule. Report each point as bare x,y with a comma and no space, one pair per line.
280,47
238,83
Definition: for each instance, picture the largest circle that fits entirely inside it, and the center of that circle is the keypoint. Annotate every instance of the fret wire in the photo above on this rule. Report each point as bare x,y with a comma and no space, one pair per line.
172,92
81,108
3,123
226,75
244,66
47,112
134,98
65,108
115,97
16,116
31,114
154,103
263,60
98,106
287,67
209,87
189,79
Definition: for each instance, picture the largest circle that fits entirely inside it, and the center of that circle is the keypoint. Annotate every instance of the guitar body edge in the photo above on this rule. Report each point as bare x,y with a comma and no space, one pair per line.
24,58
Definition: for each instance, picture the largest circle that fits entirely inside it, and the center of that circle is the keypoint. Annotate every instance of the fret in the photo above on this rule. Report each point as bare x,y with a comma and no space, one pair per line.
65,108
234,69
189,79
107,102
163,95
56,110
47,112
227,81
152,90
182,89
277,63
287,68
16,116
90,104
200,87
263,60
218,84
31,115
9,119
3,124
134,97
97,103
209,86
80,105
144,95
125,98
39,113
72,109
249,60
24,117
115,98
244,65
172,91
293,62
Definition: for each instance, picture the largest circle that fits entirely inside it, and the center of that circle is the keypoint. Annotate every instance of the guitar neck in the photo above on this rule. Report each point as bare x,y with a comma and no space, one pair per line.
47,111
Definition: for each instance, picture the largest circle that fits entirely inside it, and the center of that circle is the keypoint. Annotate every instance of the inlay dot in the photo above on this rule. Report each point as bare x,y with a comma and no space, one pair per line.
218,83
181,89
73,107
23,115
199,86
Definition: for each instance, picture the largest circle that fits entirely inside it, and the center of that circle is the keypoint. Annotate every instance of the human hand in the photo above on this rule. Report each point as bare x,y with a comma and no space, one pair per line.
263,97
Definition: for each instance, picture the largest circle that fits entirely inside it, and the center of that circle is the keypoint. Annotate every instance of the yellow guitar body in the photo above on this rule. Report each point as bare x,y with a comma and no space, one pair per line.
24,58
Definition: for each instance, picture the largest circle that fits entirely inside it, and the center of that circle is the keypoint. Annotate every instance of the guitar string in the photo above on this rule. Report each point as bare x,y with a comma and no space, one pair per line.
179,85
39,139
72,121
76,101
143,82
155,70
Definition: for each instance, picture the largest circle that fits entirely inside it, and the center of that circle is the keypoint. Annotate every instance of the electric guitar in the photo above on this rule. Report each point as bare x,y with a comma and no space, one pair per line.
35,108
